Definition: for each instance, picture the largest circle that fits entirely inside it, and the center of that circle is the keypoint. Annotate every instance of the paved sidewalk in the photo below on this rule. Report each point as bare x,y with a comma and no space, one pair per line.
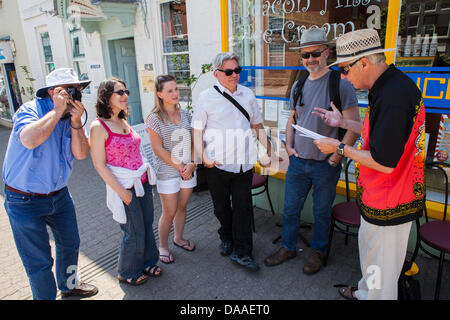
202,274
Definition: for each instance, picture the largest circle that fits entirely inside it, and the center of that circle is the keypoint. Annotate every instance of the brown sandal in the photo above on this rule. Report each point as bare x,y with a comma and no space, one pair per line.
134,281
347,291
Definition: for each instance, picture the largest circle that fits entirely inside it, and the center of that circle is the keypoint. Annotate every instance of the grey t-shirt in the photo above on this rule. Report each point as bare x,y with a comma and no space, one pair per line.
176,139
316,94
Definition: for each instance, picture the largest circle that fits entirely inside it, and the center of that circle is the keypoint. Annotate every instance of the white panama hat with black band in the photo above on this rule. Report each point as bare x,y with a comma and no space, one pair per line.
58,77
357,44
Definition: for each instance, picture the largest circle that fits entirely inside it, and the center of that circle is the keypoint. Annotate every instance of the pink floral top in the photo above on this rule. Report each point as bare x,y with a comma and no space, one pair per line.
122,150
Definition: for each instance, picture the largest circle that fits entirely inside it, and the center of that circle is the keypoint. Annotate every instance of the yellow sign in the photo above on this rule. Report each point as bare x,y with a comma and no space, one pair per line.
148,81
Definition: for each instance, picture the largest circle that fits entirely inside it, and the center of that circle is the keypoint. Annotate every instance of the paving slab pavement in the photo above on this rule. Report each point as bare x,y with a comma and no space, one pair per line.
200,275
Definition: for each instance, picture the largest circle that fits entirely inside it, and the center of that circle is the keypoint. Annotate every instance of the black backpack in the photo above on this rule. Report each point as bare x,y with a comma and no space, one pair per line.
335,78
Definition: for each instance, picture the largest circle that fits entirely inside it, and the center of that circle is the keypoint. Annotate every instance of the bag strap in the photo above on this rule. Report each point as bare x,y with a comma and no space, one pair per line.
335,96
298,89
234,102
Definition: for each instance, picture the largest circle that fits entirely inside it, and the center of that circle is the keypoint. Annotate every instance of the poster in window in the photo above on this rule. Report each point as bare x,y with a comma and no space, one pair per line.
442,150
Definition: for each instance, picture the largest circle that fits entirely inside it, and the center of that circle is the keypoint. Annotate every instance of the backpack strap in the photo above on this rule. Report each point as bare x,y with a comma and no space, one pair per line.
298,94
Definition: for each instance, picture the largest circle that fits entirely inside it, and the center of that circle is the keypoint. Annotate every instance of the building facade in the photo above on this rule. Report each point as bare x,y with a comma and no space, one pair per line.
14,86
137,40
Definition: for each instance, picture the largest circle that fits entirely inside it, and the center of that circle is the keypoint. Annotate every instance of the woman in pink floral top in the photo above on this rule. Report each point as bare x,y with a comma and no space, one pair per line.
115,152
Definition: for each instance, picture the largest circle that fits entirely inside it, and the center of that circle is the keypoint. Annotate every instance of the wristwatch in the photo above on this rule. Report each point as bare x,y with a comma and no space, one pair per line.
340,149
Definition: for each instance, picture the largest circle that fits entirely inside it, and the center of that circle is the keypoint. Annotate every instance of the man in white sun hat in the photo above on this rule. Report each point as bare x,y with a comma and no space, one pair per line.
307,165
46,137
389,161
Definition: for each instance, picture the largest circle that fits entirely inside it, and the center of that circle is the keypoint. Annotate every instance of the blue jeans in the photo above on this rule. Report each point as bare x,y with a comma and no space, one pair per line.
138,249
29,217
302,174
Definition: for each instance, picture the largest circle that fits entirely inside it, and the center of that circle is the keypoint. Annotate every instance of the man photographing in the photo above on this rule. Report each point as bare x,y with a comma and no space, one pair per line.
39,159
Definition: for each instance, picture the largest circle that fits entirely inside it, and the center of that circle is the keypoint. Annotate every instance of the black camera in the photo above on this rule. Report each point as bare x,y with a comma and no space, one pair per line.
74,93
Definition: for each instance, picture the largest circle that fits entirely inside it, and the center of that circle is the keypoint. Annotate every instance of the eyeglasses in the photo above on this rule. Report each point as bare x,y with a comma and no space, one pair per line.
346,69
229,72
314,54
122,92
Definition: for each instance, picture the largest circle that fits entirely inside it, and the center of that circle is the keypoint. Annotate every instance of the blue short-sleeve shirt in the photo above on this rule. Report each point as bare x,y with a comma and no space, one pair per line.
45,168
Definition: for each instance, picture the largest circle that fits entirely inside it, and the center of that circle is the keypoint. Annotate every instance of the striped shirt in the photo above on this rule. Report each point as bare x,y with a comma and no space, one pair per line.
175,138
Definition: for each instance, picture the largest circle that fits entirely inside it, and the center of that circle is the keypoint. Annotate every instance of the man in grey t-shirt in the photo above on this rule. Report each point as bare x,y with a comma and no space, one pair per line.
307,165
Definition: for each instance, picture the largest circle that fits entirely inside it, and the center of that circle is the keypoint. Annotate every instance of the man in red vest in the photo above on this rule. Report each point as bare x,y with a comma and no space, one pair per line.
389,159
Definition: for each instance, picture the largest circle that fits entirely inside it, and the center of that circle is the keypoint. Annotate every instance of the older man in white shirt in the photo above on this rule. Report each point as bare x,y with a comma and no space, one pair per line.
224,118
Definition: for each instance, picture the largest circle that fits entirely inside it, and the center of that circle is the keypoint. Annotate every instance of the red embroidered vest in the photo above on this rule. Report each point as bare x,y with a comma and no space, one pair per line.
398,197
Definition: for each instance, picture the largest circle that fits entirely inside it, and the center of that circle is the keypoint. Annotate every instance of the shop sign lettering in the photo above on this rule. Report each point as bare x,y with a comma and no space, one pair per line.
291,32
435,88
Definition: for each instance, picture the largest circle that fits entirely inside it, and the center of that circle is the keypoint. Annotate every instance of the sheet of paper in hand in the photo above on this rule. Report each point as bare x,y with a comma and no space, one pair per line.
307,133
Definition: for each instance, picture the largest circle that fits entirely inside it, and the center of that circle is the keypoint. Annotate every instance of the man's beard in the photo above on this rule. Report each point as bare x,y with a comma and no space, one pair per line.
313,67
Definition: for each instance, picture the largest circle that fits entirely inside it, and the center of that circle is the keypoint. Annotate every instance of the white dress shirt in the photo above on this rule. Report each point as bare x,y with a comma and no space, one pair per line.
226,131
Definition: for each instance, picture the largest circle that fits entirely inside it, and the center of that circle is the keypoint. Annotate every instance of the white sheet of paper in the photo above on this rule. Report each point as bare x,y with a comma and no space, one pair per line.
307,133
271,110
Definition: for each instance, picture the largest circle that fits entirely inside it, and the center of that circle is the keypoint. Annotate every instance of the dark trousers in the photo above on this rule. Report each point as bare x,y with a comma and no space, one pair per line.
235,215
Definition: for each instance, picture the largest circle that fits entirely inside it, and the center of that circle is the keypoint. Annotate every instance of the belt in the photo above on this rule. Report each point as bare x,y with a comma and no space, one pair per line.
30,193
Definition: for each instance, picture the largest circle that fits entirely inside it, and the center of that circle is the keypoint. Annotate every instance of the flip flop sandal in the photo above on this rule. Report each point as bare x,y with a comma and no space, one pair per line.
344,291
134,281
187,246
153,271
169,257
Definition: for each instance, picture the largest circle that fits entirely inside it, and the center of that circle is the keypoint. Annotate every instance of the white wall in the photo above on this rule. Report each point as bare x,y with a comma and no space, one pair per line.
204,43
203,19
11,26
33,21
94,58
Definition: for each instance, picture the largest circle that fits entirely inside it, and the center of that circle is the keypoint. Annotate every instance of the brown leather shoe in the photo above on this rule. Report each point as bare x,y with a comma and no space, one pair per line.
82,290
279,256
314,262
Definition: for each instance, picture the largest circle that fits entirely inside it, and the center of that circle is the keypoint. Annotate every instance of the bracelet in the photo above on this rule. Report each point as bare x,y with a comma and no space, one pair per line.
332,163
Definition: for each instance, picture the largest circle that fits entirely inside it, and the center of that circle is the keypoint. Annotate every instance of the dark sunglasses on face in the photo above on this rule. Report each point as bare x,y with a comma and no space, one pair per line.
229,72
314,54
346,69
122,92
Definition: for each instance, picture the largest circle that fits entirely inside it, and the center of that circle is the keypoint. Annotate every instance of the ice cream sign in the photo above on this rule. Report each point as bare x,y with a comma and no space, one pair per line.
6,54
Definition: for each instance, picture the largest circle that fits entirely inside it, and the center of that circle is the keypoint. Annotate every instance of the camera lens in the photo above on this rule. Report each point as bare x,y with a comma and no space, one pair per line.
74,93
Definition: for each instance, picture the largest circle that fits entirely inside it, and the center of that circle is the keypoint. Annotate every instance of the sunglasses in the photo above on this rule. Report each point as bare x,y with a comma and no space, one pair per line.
122,92
346,69
229,72
314,54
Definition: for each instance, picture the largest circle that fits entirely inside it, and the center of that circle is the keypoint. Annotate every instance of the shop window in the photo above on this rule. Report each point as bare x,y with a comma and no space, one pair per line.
429,19
47,52
175,42
413,21
267,32
5,108
414,8
430,6
443,25
429,40
78,54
